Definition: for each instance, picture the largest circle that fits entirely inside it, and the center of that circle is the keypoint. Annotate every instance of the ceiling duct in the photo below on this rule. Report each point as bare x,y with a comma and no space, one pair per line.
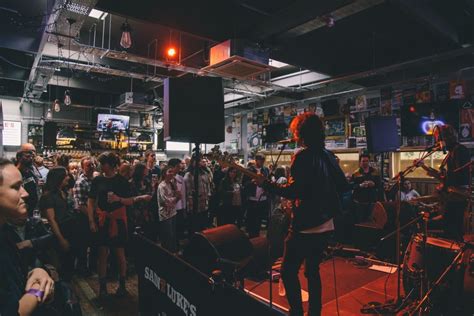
64,23
238,59
134,102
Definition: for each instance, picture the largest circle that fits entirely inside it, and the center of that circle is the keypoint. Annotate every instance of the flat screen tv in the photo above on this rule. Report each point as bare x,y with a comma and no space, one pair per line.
382,134
112,122
420,119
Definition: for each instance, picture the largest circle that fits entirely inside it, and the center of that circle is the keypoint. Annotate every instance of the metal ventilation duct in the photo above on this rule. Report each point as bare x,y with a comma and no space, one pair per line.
64,23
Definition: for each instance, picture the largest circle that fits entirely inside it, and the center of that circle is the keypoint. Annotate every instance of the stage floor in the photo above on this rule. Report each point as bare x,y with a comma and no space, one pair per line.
356,286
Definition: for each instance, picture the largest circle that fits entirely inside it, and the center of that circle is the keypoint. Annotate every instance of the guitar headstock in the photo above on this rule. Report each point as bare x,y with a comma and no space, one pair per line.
223,158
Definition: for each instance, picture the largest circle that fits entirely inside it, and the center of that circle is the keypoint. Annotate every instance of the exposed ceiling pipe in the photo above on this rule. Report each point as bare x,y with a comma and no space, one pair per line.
98,69
338,14
391,68
61,13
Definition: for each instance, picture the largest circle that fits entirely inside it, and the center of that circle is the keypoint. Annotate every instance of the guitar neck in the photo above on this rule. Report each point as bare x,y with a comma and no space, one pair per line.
245,171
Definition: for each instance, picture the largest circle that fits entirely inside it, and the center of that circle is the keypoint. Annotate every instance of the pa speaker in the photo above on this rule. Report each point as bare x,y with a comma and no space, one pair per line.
194,110
382,134
50,131
213,247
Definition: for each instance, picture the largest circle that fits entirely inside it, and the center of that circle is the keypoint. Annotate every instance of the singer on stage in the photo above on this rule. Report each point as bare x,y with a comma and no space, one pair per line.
315,185
454,183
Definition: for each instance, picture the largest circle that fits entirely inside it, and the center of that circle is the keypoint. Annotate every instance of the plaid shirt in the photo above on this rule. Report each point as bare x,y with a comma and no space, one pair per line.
80,191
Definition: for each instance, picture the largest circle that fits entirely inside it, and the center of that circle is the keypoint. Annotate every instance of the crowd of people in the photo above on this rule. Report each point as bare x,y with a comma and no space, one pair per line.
65,220
76,213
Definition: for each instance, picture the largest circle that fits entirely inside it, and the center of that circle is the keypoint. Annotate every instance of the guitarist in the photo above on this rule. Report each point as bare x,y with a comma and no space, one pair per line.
452,180
315,184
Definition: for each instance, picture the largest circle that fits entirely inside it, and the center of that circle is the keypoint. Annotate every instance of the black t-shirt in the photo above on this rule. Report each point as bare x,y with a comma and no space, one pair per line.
30,183
12,276
102,185
55,201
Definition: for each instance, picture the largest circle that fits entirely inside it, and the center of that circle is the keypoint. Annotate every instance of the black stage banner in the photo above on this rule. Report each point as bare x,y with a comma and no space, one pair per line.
169,286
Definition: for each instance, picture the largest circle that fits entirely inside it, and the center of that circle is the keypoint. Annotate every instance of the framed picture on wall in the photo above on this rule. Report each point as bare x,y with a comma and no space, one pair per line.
335,127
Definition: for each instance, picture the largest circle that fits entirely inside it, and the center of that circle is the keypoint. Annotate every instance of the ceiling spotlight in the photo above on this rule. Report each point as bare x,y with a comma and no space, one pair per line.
56,105
67,97
126,40
329,20
171,52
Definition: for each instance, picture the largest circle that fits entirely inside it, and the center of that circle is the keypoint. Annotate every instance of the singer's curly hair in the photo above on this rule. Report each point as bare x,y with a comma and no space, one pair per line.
308,129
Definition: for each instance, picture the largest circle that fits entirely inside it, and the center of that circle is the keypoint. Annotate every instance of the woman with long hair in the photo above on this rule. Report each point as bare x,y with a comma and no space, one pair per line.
140,214
168,196
231,199
54,206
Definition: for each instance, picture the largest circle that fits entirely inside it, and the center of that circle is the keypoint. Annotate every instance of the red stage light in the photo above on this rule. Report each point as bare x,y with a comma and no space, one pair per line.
171,52
412,109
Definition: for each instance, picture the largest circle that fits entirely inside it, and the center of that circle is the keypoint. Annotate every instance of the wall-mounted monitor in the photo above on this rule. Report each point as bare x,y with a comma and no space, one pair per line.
420,119
112,122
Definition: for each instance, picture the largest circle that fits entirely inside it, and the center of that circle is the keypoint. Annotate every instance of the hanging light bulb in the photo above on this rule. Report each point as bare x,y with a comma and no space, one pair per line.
42,120
126,40
233,123
49,114
57,105
67,97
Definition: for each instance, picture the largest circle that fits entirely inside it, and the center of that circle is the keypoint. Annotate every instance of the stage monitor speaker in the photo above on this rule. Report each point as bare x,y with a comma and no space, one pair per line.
224,244
382,134
194,110
50,131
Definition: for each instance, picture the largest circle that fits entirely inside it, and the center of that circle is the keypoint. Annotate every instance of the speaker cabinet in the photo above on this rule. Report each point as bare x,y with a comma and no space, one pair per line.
50,131
194,110
210,248
382,134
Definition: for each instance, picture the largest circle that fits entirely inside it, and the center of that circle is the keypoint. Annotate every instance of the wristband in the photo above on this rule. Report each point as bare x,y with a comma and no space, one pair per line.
35,292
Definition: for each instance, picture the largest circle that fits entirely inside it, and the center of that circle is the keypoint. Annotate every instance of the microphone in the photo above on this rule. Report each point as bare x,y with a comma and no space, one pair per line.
286,141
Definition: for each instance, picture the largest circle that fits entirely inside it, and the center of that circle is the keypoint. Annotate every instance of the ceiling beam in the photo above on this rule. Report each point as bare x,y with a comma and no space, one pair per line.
338,14
423,13
298,13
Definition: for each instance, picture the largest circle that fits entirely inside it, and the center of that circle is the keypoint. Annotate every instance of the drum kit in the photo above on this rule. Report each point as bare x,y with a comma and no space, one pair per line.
438,273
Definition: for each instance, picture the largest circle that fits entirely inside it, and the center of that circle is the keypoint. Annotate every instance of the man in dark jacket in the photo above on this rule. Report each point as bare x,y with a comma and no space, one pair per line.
367,189
315,184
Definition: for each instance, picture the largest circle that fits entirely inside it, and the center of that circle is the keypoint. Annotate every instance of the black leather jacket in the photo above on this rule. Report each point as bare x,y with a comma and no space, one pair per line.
41,238
316,184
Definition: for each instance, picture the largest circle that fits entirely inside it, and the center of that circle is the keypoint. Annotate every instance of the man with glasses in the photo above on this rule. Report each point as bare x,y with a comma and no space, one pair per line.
30,175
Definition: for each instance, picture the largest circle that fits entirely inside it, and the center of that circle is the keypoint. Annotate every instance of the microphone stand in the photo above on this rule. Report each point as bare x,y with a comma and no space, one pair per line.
275,165
399,178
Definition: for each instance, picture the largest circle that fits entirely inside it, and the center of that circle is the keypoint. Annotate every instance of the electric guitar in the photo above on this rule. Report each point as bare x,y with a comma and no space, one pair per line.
227,160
